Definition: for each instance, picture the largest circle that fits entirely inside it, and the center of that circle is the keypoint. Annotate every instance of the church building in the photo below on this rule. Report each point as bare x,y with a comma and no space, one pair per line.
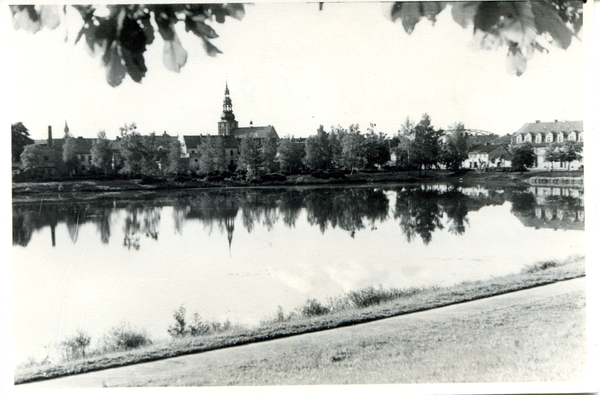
227,128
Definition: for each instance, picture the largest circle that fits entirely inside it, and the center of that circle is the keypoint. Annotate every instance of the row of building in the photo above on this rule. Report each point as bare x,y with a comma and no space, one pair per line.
486,150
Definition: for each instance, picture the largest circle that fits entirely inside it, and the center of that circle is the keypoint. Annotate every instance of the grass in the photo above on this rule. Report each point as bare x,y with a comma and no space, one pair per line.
538,341
355,307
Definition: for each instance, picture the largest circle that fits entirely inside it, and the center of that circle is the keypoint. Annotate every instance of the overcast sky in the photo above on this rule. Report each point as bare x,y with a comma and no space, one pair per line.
294,67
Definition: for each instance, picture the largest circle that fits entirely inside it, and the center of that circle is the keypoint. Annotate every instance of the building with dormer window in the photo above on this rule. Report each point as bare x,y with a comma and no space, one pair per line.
542,134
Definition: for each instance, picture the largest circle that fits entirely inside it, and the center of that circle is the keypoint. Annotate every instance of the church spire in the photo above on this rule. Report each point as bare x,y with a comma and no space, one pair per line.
228,122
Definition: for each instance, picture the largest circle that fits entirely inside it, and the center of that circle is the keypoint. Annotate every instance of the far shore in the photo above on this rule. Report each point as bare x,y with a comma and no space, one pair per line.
92,188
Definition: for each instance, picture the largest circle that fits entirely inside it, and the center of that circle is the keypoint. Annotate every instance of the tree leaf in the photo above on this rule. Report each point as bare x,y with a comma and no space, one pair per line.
463,13
22,19
50,16
409,13
174,56
210,49
516,62
548,21
199,28
519,26
115,70
135,64
432,8
235,10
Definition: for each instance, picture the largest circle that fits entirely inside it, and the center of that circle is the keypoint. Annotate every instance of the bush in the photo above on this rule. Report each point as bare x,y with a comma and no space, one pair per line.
274,177
314,308
76,345
150,180
124,338
371,296
196,327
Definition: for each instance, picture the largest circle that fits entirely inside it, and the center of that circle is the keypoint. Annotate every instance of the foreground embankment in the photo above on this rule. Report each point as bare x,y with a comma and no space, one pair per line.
531,336
354,308
88,189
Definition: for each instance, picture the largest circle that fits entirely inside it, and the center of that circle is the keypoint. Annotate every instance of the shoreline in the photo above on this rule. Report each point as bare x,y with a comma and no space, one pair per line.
87,189
280,326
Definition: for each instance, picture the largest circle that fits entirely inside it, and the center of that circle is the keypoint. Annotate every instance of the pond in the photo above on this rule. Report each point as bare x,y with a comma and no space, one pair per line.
240,254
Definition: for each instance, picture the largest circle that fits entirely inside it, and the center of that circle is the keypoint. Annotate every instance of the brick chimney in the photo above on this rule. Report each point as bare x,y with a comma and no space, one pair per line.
537,121
49,136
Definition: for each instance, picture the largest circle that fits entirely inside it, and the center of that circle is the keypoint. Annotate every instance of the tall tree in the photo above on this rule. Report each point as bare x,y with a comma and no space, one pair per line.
176,164
290,155
318,150
69,153
455,148
571,151
250,156
31,157
102,155
523,157
19,139
212,154
424,149
553,154
376,148
352,149
268,153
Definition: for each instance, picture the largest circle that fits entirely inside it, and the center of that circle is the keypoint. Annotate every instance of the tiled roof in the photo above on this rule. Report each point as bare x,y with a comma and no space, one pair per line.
554,127
255,131
192,142
493,150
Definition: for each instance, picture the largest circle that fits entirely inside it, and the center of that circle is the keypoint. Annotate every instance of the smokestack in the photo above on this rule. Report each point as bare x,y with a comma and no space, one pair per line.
49,136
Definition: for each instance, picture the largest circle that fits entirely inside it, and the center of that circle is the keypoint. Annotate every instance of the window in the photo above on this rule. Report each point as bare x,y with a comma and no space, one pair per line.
549,138
581,137
519,139
559,139
538,138
528,138
231,152
573,137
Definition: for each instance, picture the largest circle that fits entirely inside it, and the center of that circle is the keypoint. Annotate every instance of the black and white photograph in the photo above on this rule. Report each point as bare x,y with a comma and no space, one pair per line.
273,195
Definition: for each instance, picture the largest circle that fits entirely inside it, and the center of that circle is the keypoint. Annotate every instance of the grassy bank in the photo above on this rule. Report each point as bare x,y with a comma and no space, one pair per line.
353,308
61,190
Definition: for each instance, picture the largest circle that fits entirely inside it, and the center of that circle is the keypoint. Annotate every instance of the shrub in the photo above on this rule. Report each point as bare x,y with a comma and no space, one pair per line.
124,338
274,177
76,345
179,329
314,308
371,296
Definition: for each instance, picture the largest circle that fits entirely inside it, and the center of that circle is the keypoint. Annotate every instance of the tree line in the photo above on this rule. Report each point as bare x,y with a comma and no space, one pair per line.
416,146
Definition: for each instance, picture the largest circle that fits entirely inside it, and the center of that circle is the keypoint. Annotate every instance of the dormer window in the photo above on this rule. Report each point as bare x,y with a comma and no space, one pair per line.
559,138
519,139
581,137
573,137
538,138
549,138
528,138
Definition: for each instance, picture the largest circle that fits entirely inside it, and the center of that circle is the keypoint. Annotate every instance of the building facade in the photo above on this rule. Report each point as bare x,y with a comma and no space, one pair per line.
228,128
542,134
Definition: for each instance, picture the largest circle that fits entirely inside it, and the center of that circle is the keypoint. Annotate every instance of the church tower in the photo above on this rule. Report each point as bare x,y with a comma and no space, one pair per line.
227,122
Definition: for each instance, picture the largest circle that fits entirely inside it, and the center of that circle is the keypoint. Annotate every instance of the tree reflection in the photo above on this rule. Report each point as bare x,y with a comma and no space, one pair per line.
346,209
419,213
456,206
140,220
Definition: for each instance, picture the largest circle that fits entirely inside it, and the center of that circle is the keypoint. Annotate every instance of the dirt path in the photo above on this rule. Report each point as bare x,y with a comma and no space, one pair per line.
187,370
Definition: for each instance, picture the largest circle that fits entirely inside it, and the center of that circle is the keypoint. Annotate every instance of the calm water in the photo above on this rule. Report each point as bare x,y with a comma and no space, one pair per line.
239,255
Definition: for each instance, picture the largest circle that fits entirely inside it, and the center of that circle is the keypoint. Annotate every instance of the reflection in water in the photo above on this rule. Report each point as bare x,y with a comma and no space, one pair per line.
419,210
550,207
140,220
